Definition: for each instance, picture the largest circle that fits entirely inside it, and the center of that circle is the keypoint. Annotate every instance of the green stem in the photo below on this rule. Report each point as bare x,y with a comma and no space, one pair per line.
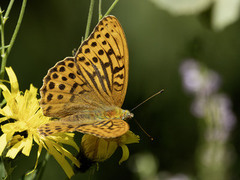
17,26
5,54
8,169
90,13
111,7
2,44
100,10
8,10
4,47
1,19
3,172
43,166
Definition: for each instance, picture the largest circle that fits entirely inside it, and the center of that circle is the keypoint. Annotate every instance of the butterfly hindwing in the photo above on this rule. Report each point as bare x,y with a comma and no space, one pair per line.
103,129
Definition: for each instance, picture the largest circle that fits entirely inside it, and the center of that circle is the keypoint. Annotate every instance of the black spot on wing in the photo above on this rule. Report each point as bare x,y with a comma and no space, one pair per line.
62,69
49,97
60,97
61,86
119,86
51,85
55,76
117,69
82,58
119,76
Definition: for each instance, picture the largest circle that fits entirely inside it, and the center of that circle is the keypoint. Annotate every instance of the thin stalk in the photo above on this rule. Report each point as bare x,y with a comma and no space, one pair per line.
7,166
5,47
100,10
8,10
43,166
111,7
2,42
3,173
90,13
17,26
5,54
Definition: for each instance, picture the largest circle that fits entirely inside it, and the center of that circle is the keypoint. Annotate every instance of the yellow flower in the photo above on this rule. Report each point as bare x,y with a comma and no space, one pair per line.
94,149
21,118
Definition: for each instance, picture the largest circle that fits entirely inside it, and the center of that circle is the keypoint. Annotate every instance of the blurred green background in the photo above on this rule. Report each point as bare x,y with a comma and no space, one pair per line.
158,43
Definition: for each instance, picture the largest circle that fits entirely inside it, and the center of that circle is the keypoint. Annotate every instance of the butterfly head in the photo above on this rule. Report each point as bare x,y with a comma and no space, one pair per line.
126,115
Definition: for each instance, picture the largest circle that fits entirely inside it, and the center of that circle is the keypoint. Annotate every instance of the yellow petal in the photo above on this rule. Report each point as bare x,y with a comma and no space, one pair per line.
65,138
68,155
60,159
129,138
38,155
105,153
98,149
4,139
3,118
4,88
3,142
13,81
6,93
13,127
125,153
13,151
64,164
7,111
28,145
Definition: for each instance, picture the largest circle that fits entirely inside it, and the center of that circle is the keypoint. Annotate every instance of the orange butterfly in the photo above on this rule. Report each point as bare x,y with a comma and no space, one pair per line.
87,91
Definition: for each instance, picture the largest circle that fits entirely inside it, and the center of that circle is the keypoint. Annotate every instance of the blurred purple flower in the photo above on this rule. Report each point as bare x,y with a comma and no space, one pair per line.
215,108
223,118
197,79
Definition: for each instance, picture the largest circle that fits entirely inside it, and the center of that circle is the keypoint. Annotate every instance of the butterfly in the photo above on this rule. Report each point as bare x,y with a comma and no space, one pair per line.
85,92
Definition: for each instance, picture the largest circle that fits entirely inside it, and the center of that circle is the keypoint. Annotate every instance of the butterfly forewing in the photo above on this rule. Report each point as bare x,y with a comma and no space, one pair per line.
94,80
104,59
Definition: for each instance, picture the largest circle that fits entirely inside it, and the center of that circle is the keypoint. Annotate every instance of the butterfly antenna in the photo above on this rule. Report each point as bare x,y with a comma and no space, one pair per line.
151,138
159,92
